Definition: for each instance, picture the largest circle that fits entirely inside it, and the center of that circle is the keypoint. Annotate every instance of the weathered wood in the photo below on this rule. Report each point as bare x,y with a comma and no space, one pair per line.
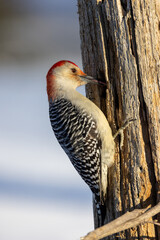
120,42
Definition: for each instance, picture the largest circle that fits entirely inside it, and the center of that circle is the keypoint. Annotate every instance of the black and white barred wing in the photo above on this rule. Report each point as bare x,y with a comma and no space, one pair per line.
77,134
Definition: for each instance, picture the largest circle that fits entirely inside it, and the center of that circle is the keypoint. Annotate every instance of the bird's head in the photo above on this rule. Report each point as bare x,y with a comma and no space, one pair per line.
66,75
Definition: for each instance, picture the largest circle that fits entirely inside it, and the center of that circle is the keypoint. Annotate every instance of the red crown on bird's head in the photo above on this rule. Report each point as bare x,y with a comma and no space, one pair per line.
58,64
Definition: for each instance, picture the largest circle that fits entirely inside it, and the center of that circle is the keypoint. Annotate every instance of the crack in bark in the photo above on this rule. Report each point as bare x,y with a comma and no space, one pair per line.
109,56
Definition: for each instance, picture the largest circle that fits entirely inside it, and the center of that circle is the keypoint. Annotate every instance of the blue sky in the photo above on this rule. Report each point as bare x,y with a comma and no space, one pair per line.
41,194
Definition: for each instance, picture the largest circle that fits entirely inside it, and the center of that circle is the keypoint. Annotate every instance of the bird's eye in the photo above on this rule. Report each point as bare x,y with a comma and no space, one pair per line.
73,70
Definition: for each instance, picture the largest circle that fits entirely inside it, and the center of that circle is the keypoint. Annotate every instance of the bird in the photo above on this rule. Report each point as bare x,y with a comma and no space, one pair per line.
81,128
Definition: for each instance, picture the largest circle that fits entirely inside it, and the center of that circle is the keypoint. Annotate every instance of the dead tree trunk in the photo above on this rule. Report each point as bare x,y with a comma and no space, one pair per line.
120,42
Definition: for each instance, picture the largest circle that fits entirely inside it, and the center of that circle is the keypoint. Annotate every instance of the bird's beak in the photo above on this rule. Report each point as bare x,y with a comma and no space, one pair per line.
89,79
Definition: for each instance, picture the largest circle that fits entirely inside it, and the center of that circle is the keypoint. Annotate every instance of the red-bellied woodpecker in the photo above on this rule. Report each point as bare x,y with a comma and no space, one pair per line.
80,127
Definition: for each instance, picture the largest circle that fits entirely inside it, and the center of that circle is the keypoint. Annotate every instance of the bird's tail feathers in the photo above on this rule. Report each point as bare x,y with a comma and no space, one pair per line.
99,211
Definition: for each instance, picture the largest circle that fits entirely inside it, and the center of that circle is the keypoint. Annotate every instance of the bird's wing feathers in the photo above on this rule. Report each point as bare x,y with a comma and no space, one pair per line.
77,133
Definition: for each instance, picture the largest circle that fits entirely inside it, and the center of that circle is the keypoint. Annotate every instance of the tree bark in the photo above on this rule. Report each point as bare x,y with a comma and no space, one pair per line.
120,43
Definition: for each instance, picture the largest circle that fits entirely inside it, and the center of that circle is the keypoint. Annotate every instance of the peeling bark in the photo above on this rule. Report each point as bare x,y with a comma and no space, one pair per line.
120,42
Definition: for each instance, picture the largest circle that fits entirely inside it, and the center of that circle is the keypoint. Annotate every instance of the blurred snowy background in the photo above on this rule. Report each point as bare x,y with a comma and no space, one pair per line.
41,195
